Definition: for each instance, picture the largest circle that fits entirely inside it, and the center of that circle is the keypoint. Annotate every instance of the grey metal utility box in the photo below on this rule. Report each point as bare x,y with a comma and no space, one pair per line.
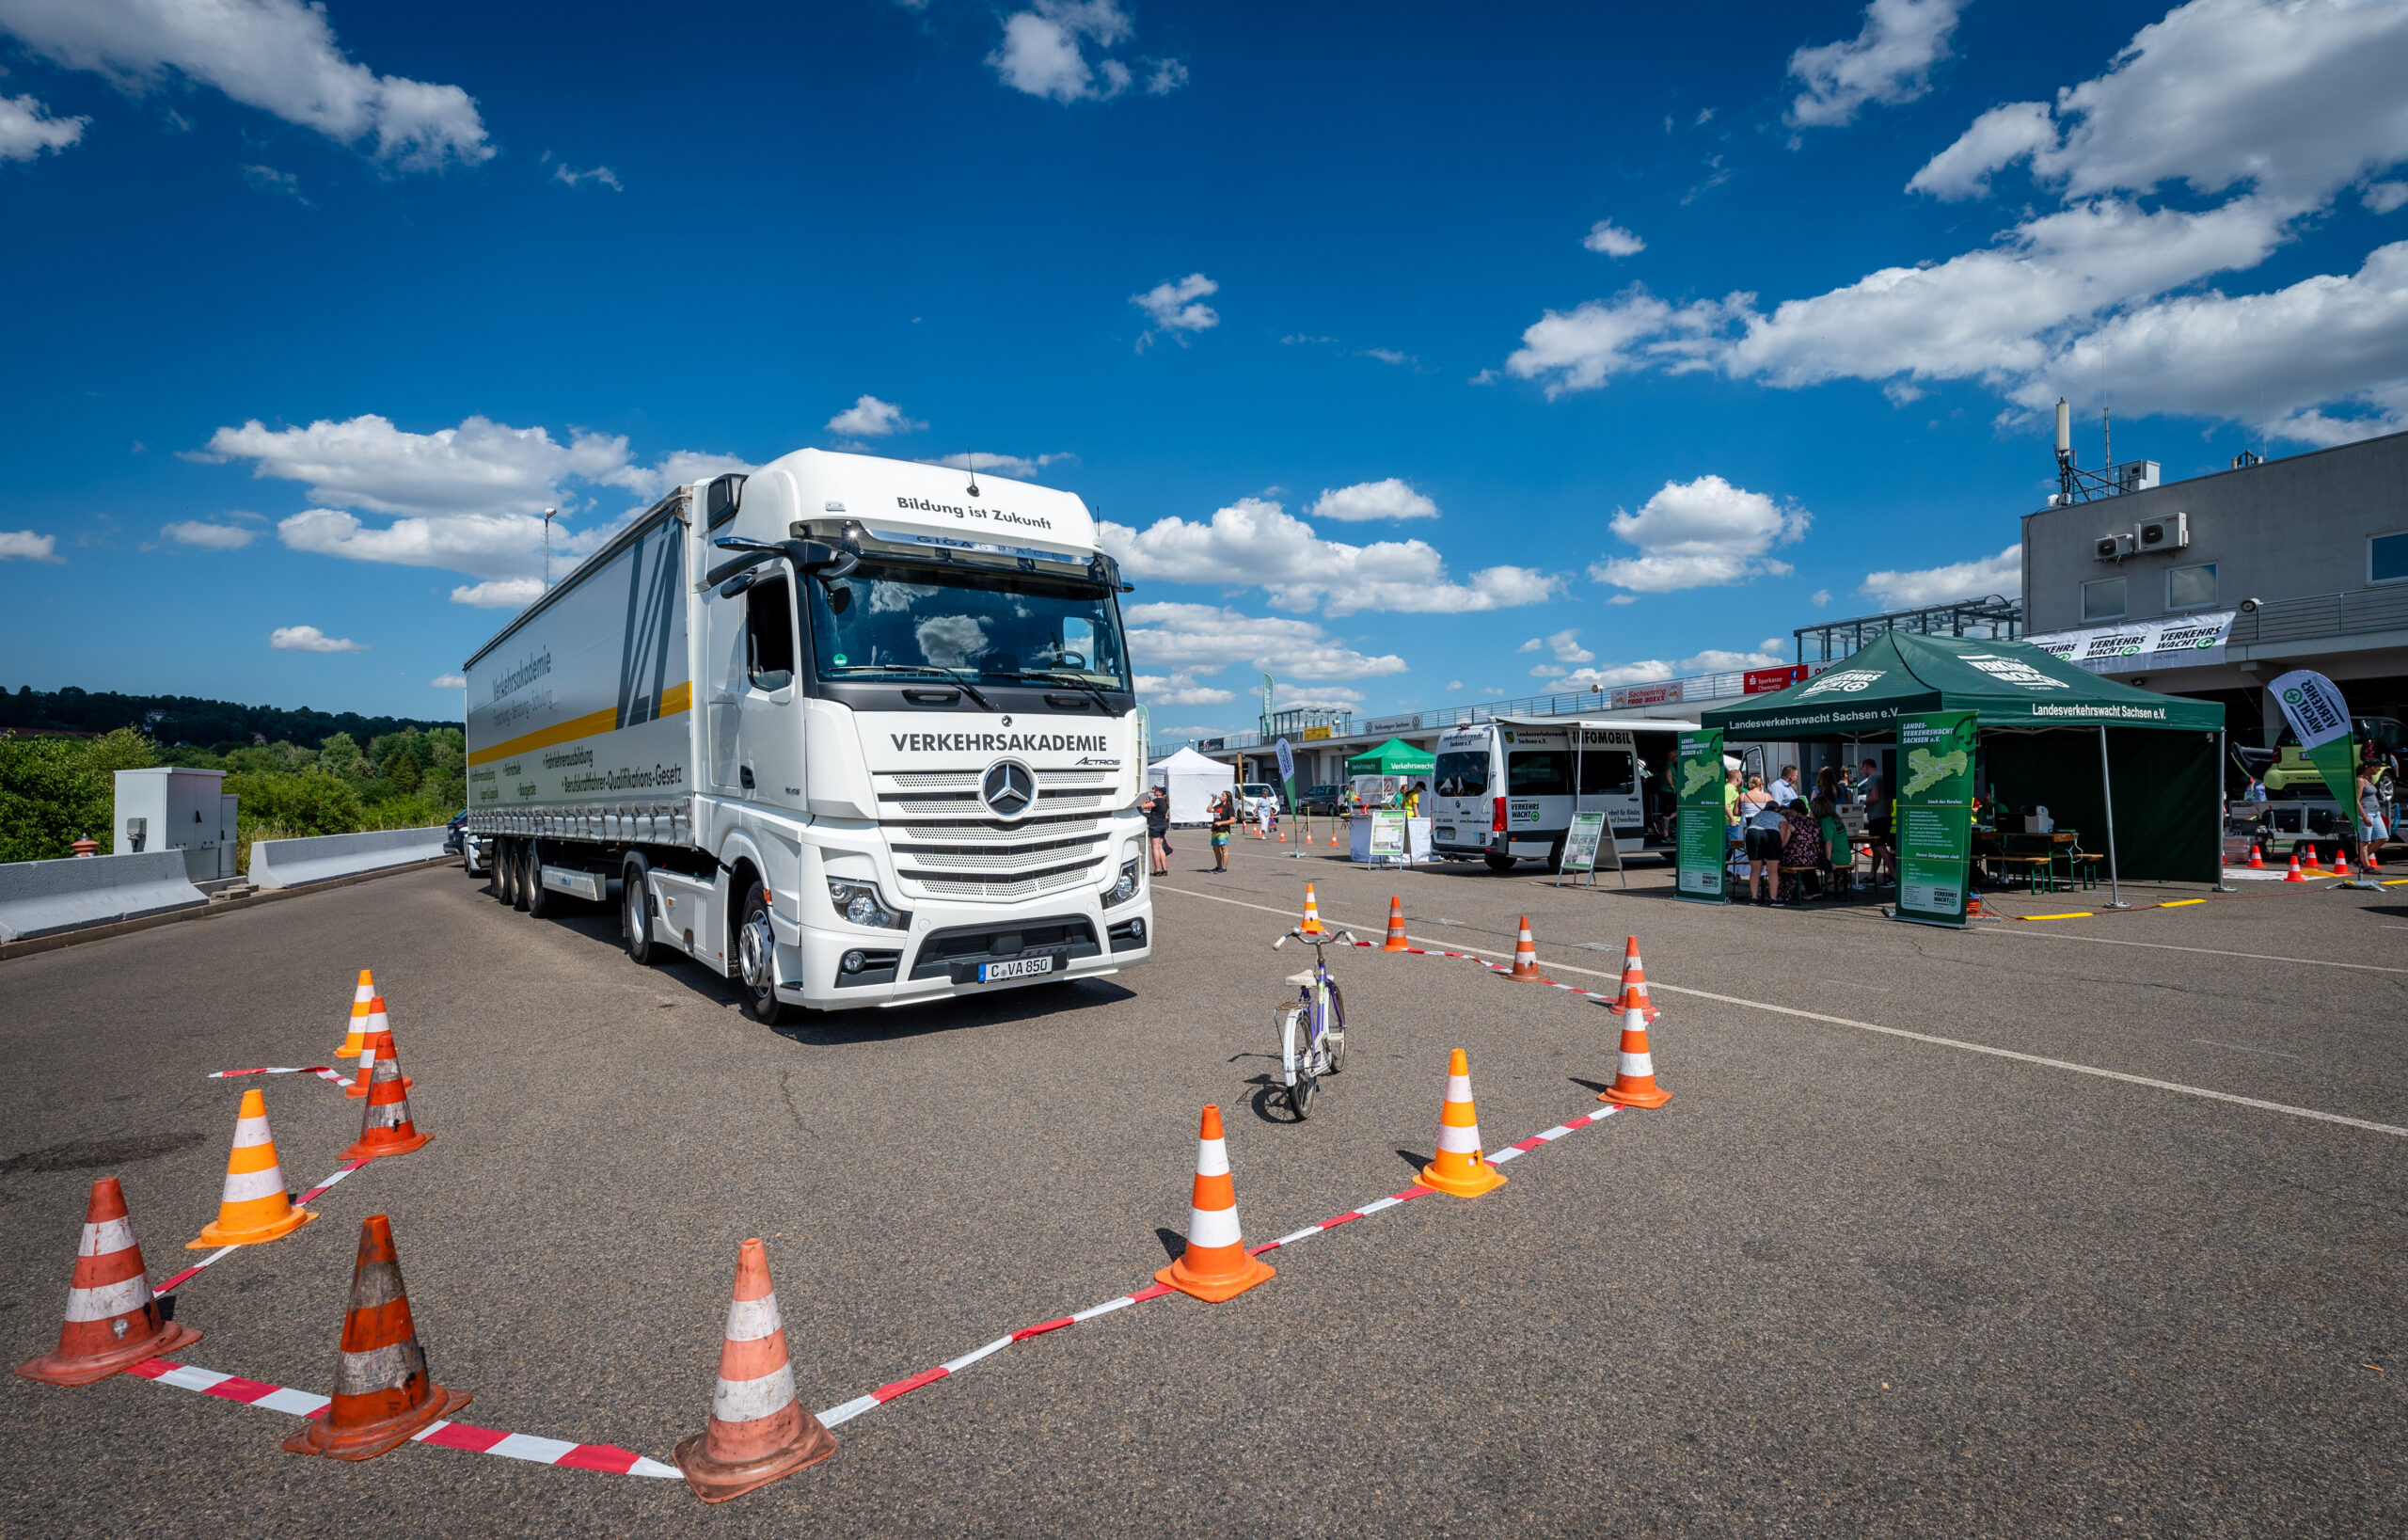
171,808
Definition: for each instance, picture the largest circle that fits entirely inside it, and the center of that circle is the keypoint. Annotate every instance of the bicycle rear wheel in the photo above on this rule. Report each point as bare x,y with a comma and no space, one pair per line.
1295,1050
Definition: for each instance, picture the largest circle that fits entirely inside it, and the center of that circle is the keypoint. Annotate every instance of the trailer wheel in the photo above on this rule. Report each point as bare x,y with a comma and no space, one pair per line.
506,872
635,911
542,903
522,867
757,958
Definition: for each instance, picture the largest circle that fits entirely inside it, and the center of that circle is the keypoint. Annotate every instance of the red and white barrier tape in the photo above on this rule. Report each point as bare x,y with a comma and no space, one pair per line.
1611,1002
329,1076
509,1446
884,1394
341,1171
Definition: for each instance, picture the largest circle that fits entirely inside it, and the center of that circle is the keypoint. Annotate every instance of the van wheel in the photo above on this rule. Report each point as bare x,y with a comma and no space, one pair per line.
535,898
1555,854
1499,862
756,960
635,911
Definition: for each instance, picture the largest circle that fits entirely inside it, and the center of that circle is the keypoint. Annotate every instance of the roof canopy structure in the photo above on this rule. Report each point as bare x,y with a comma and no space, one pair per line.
1394,758
2006,684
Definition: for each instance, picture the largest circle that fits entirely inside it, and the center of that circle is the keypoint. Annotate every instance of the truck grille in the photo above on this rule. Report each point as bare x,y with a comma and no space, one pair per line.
949,846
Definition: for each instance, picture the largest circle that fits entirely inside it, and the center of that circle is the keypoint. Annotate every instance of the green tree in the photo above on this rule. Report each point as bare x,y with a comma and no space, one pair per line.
281,806
49,799
340,756
122,749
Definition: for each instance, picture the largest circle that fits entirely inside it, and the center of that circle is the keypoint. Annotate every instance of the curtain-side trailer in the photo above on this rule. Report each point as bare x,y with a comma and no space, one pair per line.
855,731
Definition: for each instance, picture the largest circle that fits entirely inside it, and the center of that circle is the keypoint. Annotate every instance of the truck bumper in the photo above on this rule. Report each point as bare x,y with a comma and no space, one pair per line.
941,957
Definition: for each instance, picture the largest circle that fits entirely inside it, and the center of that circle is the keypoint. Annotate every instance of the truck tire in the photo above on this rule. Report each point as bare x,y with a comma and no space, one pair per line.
756,960
506,872
542,903
521,867
635,911
1499,862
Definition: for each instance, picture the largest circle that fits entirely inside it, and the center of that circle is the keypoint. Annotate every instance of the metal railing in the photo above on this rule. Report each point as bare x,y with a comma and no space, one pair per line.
2358,611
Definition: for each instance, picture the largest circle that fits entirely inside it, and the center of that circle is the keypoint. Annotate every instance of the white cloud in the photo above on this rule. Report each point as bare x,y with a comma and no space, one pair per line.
1177,307
1205,638
27,129
1389,498
2293,98
310,639
498,594
1701,533
448,681
602,174
1889,61
1253,543
1546,671
267,179
1647,671
1018,467
1567,649
1580,349
2383,196
1820,598
1389,355
1179,690
870,418
482,545
1534,644
1044,52
193,532
1293,697
2001,574
278,56
26,546
1454,684
1612,240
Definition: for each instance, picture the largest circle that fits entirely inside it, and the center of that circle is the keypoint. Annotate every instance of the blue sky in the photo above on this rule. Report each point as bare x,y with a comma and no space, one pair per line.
1417,357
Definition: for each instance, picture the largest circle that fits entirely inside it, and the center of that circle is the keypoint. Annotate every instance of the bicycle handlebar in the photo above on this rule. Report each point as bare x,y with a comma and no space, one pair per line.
1324,937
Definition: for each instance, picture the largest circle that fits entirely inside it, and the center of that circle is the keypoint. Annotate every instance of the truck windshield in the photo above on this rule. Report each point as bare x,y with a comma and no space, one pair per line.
889,620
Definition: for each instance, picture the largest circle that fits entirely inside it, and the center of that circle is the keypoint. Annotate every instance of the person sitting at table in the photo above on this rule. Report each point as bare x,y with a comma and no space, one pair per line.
1801,850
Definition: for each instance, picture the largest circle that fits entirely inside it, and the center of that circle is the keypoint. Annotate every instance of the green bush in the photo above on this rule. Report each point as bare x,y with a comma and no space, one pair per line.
56,790
294,806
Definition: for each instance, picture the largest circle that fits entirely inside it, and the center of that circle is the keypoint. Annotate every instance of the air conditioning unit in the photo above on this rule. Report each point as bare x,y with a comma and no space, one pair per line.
2115,548
2171,534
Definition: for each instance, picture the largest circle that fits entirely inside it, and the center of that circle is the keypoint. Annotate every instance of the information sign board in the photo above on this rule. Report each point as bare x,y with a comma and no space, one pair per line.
1935,823
1697,771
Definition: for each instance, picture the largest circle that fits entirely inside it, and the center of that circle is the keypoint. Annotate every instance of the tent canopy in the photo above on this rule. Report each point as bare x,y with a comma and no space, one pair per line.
1192,781
1394,758
2006,684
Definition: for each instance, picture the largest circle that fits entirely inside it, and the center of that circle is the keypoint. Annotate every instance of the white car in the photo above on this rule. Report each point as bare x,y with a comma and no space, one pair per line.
1250,795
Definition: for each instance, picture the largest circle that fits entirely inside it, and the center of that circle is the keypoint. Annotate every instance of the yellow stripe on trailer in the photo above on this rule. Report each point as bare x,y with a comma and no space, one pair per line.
677,698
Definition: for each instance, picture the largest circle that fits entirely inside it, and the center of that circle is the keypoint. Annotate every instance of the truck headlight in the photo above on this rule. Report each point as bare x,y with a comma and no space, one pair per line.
860,903
1126,888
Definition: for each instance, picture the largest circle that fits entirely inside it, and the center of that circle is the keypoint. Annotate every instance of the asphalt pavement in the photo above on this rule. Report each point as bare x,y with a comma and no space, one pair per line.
1846,1281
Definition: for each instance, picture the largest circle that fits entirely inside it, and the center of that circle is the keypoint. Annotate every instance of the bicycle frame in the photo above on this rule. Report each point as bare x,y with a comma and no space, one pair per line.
1314,997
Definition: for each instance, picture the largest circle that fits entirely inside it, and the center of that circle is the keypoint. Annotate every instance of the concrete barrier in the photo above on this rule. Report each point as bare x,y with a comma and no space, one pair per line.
43,897
292,863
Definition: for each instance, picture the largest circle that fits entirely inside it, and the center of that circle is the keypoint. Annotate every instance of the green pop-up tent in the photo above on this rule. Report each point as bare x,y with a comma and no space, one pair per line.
1394,758
2144,769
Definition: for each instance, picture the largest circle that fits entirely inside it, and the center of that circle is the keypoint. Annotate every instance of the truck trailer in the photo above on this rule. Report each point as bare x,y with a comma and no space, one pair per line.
854,731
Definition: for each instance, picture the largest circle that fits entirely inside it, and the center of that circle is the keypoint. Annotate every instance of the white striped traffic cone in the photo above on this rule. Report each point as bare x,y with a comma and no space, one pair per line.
1311,922
112,1321
1635,1074
1214,1267
253,1206
1526,957
758,1431
1458,1167
357,1039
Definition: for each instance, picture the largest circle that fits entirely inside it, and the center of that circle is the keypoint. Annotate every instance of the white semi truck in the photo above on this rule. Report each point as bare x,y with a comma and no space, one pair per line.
855,731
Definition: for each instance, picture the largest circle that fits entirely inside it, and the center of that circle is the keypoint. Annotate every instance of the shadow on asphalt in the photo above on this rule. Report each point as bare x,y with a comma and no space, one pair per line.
1415,1161
1600,1086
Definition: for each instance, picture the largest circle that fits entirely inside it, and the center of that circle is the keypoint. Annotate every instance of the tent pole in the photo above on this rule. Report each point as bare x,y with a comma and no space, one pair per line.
2107,785
2220,885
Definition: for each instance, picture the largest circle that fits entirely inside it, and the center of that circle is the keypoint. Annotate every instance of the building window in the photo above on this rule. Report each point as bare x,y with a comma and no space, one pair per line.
2191,588
2104,599
2387,558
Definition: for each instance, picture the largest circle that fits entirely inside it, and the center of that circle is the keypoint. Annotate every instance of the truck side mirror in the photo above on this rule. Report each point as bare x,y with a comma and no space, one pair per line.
820,559
721,498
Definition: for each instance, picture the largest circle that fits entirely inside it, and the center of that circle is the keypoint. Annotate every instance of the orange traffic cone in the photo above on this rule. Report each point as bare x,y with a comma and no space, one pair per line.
1333,839
1526,957
1635,1074
112,1322
357,1037
378,1026
1458,1167
1633,971
2257,861
386,1128
758,1431
1311,922
1214,1267
1397,940
253,1206
2312,864
1283,837
2293,875
383,1392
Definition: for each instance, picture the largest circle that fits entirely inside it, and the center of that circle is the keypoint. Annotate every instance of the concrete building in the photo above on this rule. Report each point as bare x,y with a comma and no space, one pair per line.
2214,586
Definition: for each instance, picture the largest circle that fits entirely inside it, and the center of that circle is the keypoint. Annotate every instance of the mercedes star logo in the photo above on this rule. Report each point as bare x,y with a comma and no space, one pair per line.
1008,789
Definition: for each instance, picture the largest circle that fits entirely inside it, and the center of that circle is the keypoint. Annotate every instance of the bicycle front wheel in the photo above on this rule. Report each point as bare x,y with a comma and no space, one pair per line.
1334,1037
1296,1052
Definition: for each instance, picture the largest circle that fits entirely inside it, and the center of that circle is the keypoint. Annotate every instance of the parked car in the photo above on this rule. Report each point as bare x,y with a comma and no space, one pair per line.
1248,796
1327,800
467,846
2289,773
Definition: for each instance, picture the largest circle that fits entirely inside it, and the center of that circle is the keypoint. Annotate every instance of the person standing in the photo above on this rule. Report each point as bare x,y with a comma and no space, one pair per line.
1224,818
1784,786
2372,830
1156,806
1763,821
1876,820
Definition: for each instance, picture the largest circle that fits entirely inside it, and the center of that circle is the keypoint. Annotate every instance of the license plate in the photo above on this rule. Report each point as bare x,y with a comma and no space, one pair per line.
1445,831
1027,967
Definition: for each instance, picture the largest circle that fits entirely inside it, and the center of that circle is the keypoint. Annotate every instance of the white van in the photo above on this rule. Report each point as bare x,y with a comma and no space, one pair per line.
1503,791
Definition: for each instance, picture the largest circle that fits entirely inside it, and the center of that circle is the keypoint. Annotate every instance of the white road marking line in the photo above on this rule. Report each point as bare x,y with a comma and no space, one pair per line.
2244,1048
1955,1043
2203,951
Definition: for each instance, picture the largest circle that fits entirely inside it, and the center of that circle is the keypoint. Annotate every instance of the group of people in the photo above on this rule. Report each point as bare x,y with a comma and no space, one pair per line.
1223,819
1782,833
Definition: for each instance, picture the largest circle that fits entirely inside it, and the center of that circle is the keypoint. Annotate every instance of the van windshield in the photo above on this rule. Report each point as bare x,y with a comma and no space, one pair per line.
891,619
1461,774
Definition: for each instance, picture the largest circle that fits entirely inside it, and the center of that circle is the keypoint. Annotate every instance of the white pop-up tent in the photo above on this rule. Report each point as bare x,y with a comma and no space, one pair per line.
1192,782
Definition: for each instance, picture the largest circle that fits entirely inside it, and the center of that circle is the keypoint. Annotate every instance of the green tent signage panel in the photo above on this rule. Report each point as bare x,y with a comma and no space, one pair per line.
1935,825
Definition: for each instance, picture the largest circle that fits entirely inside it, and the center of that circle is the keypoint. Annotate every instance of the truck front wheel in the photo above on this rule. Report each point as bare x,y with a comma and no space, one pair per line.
757,958
634,911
